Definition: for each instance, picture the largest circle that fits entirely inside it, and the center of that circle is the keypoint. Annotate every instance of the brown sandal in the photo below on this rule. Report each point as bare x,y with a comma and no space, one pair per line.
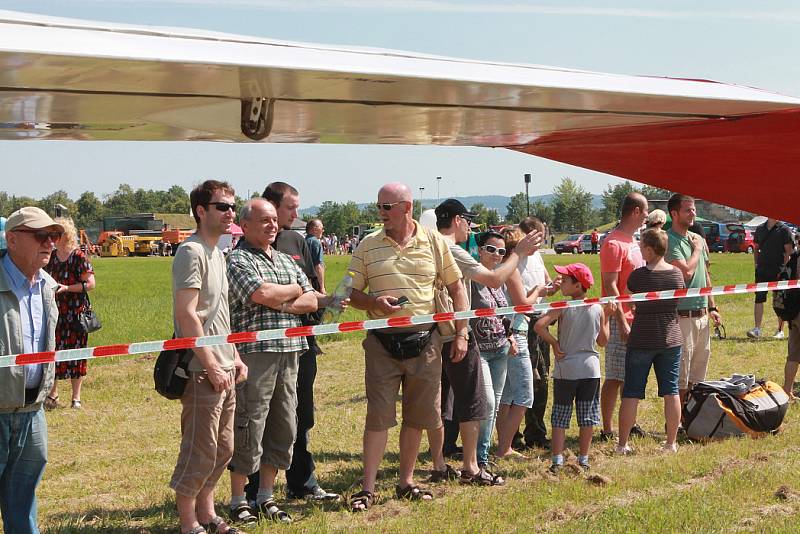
50,402
414,493
361,501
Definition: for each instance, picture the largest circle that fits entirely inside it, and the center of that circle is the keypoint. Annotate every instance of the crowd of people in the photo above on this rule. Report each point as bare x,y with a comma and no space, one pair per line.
249,408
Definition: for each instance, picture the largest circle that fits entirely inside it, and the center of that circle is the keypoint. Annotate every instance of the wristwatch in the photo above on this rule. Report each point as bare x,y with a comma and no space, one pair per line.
465,335
712,309
83,285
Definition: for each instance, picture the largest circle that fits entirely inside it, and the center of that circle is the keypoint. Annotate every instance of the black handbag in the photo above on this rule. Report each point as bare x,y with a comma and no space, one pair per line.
171,372
88,319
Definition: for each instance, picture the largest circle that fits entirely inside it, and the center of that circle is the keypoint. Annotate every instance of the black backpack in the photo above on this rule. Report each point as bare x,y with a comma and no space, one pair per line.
786,302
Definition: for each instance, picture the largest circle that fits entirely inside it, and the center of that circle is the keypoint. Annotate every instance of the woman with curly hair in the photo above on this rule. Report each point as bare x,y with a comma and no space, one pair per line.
73,272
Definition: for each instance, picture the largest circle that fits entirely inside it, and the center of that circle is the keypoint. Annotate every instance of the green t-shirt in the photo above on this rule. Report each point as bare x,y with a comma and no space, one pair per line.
680,248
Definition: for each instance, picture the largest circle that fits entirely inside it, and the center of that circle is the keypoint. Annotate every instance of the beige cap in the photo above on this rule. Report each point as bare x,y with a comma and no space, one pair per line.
33,218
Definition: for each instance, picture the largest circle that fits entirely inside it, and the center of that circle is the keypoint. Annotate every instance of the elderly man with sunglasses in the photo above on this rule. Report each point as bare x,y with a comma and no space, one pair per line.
400,265
28,307
468,404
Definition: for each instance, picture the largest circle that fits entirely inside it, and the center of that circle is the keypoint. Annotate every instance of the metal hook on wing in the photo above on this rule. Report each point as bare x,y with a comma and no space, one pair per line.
257,117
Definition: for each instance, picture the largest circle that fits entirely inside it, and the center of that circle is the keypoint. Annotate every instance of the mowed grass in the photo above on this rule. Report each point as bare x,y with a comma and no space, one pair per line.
111,462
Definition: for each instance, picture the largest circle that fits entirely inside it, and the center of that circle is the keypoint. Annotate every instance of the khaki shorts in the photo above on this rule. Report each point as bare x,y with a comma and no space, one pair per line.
421,380
695,351
794,340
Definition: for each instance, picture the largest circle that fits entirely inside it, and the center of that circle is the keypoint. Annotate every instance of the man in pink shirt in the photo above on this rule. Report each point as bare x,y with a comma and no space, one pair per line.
619,256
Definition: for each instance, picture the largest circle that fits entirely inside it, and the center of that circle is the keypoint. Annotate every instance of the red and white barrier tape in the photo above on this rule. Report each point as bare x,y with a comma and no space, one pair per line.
372,324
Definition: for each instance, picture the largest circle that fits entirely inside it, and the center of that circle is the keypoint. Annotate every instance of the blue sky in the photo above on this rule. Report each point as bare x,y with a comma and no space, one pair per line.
750,43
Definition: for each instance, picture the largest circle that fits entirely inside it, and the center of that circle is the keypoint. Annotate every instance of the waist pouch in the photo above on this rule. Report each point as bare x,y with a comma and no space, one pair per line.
405,346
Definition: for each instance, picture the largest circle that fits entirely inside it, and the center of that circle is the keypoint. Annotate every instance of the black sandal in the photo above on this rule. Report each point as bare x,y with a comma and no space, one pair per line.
243,514
414,493
50,402
483,477
448,473
270,510
361,501
214,524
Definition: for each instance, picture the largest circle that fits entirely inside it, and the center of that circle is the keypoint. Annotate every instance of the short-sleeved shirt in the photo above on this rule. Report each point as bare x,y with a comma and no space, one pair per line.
771,246
380,264
656,323
620,253
315,247
532,271
679,247
577,336
248,268
200,266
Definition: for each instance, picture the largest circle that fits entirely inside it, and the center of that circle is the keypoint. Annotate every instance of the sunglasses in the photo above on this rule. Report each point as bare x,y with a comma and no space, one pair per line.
223,206
491,249
386,206
42,235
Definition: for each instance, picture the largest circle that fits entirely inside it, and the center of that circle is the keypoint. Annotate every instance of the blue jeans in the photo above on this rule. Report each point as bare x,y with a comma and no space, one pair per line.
23,455
494,366
518,390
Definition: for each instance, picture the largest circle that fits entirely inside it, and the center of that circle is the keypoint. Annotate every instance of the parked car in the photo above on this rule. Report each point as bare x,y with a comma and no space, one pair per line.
586,242
572,244
740,239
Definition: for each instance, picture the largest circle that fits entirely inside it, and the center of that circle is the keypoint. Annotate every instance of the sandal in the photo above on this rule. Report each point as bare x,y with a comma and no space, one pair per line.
243,514
76,404
270,510
413,493
483,477
216,523
361,501
50,402
448,473
196,530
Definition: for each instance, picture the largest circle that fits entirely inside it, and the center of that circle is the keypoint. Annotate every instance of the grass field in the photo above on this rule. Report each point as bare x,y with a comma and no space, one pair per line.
110,462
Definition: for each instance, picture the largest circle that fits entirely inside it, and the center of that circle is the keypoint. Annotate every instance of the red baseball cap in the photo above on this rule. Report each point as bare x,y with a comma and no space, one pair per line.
579,272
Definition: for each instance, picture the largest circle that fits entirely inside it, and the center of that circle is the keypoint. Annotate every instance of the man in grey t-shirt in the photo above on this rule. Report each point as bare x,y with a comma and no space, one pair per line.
465,377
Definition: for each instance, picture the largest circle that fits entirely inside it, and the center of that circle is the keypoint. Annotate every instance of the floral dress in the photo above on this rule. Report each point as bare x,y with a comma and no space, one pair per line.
69,334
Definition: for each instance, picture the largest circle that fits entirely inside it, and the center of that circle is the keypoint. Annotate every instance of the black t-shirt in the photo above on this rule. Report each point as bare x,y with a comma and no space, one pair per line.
771,245
292,243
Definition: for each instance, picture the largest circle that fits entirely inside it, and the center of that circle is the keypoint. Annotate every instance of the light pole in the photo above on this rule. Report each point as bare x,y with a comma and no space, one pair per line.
527,197
438,197
421,189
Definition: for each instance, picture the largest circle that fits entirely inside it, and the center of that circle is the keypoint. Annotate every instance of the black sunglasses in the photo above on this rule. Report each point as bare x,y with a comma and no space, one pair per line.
386,206
223,206
491,249
42,235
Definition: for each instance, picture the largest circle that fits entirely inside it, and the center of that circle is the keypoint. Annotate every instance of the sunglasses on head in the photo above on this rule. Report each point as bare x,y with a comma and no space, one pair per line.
386,206
491,249
42,235
223,206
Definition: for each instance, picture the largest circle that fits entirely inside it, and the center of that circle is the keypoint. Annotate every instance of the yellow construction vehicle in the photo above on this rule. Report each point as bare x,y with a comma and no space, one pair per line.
146,245
118,245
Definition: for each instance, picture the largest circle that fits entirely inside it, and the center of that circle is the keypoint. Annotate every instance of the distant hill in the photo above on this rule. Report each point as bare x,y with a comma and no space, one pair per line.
497,202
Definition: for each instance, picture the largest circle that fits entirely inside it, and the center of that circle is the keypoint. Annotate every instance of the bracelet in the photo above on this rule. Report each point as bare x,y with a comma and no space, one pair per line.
463,334
283,307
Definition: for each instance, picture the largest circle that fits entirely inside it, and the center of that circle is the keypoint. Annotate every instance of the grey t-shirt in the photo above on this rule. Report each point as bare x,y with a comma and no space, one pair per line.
199,266
577,335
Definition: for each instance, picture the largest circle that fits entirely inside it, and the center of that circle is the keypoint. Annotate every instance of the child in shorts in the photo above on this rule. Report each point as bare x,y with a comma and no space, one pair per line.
576,373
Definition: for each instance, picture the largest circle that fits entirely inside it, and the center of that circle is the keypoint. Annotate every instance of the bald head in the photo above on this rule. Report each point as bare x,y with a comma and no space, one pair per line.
259,221
397,191
255,207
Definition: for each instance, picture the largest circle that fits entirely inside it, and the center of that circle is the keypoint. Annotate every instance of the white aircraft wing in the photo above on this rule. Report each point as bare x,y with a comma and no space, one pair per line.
71,79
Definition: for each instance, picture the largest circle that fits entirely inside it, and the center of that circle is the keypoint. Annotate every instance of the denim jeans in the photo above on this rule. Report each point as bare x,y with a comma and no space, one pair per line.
494,366
23,455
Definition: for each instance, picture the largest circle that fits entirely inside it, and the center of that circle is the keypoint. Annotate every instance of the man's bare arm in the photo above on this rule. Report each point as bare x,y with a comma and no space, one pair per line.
274,295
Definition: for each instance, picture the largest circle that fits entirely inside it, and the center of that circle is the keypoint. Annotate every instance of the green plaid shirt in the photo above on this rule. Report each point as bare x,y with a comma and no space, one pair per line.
248,269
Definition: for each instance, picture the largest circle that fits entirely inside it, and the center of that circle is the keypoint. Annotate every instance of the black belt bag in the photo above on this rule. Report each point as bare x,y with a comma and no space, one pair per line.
405,346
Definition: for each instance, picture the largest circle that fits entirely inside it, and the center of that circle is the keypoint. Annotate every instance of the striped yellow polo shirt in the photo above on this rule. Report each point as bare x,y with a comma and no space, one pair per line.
380,264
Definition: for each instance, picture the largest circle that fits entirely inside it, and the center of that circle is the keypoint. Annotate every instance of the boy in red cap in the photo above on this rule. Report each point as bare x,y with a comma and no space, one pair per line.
576,374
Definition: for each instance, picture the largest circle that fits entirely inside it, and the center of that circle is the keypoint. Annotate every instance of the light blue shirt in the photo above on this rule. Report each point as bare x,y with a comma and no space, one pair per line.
32,317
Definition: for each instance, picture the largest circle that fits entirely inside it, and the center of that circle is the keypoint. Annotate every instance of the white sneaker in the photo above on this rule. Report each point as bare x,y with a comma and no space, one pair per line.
623,451
778,335
669,448
754,333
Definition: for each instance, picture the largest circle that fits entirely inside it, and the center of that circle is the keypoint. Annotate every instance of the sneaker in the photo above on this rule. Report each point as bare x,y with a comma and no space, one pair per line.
555,469
585,466
637,431
623,451
755,333
320,495
669,448
778,335
608,436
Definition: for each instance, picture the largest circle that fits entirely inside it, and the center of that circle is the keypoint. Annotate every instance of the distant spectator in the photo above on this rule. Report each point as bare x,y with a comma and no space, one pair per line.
576,373
774,245
655,341
70,267
314,229
656,219
595,238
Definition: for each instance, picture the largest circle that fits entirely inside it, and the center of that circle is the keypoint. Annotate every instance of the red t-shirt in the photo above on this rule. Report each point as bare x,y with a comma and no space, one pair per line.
621,254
